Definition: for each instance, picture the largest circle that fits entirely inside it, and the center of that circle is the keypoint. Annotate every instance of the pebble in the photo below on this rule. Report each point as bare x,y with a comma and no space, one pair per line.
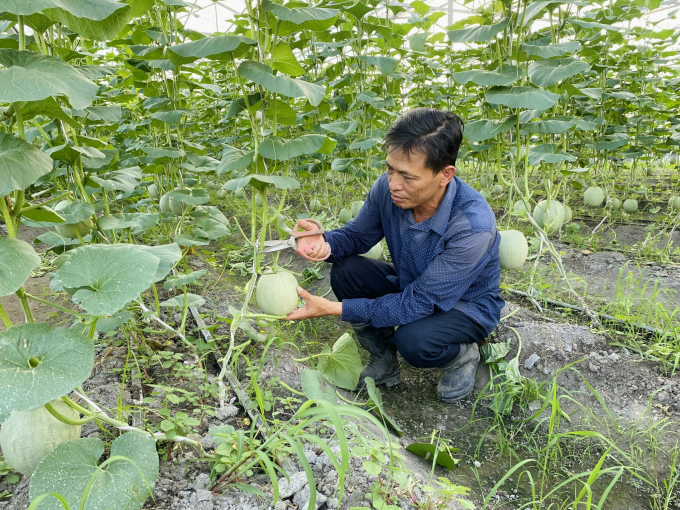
297,482
531,361
226,412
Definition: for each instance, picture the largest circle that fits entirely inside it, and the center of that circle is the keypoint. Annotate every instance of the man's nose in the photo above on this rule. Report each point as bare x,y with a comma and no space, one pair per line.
395,183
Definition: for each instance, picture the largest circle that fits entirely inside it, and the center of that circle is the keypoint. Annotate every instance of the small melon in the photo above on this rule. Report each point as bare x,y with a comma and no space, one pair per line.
211,185
240,193
567,215
675,203
483,181
593,196
337,181
514,249
314,205
497,190
485,193
153,191
26,437
630,205
328,177
176,206
165,204
258,200
549,217
356,207
615,203
344,216
71,231
375,252
519,208
222,194
277,293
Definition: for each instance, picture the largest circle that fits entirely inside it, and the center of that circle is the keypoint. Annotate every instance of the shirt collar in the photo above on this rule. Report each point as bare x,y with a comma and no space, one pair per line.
441,217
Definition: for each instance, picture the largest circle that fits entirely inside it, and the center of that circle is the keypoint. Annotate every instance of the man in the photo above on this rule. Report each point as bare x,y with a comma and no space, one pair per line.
442,289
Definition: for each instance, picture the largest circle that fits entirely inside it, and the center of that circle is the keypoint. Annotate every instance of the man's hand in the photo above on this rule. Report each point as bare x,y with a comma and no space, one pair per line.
314,248
315,306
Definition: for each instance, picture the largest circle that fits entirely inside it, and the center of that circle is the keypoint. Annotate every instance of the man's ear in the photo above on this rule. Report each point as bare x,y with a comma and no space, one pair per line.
447,174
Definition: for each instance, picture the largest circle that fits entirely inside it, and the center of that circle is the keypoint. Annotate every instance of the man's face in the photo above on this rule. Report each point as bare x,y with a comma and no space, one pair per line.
412,184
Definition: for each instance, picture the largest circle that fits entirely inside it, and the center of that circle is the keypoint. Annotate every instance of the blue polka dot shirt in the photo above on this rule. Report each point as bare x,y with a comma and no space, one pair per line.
448,261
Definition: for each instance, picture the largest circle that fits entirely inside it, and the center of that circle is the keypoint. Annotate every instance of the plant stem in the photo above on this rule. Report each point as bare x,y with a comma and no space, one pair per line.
5,318
53,305
21,294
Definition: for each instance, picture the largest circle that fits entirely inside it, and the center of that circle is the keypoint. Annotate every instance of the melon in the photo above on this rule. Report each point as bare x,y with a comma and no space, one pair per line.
513,250
26,437
483,181
211,185
165,204
497,190
328,177
176,206
630,205
153,191
615,203
593,196
549,216
240,193
519,208
71,231
344,216
222,194
567,215
258,200
277,293
314,205
356,207
374,253
675,203
337,181
485,193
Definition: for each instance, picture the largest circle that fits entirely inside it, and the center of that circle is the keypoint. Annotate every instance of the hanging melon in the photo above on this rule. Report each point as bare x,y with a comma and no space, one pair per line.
374,253
71,231
549,216
258,200
277,293
513,250
356,207
240,193
222,194
344,216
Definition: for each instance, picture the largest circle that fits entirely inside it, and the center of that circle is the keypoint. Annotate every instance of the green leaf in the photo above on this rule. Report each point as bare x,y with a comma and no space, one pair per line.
47,108
105,113
125,179
162,154
169,116
17,260
284,150
31,76
507,76
284,60
341,164
365,143
610,142
387,65
548,153
74,212
21,164
342,127
104,278
428,452
313,386
64,360
40,217
550,50
262,75
478,34
213,226
494,352
522,97
169,255
375,403
71,154
479,130
194,300
138,223
219,47
234,160
126,482
343,365
285,115
597,26
261,181
183,280
303,18
191,196
545,73
547,127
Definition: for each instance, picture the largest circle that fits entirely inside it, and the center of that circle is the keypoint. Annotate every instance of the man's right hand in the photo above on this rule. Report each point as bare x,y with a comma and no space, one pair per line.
314,248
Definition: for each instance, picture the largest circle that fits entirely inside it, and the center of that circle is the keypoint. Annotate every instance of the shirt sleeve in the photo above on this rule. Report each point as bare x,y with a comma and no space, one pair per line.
440,286
363,232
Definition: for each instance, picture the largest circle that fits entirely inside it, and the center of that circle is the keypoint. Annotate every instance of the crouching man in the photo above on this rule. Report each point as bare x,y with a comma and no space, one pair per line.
442,288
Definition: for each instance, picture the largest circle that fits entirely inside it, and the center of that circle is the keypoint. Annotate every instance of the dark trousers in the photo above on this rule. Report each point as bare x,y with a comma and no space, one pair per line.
429,342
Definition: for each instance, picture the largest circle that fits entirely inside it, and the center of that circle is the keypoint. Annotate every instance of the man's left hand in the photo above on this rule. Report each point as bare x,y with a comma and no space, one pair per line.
315,306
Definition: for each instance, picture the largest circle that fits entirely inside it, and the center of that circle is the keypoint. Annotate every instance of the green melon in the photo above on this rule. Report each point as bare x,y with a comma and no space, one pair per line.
27,437
153,191
165,204
356,207
337,181
176,206
549,217
71,231
314,205
222,194
485,193
328,177
375,252
567,215
344,216
211,185
674,203
258,200
277,293
497,190
630,205
483,181
615,203
513,250
593,196
519,208
240,193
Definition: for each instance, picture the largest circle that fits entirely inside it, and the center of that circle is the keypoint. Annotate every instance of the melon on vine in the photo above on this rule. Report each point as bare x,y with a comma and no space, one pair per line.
26,437
153,191
549,216
674,203
615,204
277,293
211,185
222,194
356,207
567,215
519,208
513,249
630,205
314,205
485,193
497,190
258,200
240,193
165,204
71,231
593,196
344,216
374,253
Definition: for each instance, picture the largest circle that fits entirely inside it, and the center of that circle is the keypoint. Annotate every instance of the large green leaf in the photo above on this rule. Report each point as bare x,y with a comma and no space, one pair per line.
547,72
283,150
212,226
234,160
21,164
342,127
548,153
193,301
313,386
39,364
301,18
48,108
430,452
263,75
284,60
507,76
285,115
17,260
522,97
478,34
595,25
220,47
169,255
262,181
104,278
125,179
126,482
138,223
71,154
480,130
547,127
342,365
387,65
31,76
191,196
550,50
74,211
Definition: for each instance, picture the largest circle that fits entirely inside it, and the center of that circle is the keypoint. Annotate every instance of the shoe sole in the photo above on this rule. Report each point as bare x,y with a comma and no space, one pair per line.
389,381
450,399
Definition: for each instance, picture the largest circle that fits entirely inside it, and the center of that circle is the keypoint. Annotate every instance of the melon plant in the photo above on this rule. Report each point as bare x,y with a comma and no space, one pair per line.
240,193
593,196
26,437
630,205
549,216
513,249
519,208
73,230
344,216
356,207
277,293
374,253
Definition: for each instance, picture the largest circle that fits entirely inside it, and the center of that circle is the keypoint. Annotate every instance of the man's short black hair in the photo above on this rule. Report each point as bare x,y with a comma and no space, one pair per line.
435,133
